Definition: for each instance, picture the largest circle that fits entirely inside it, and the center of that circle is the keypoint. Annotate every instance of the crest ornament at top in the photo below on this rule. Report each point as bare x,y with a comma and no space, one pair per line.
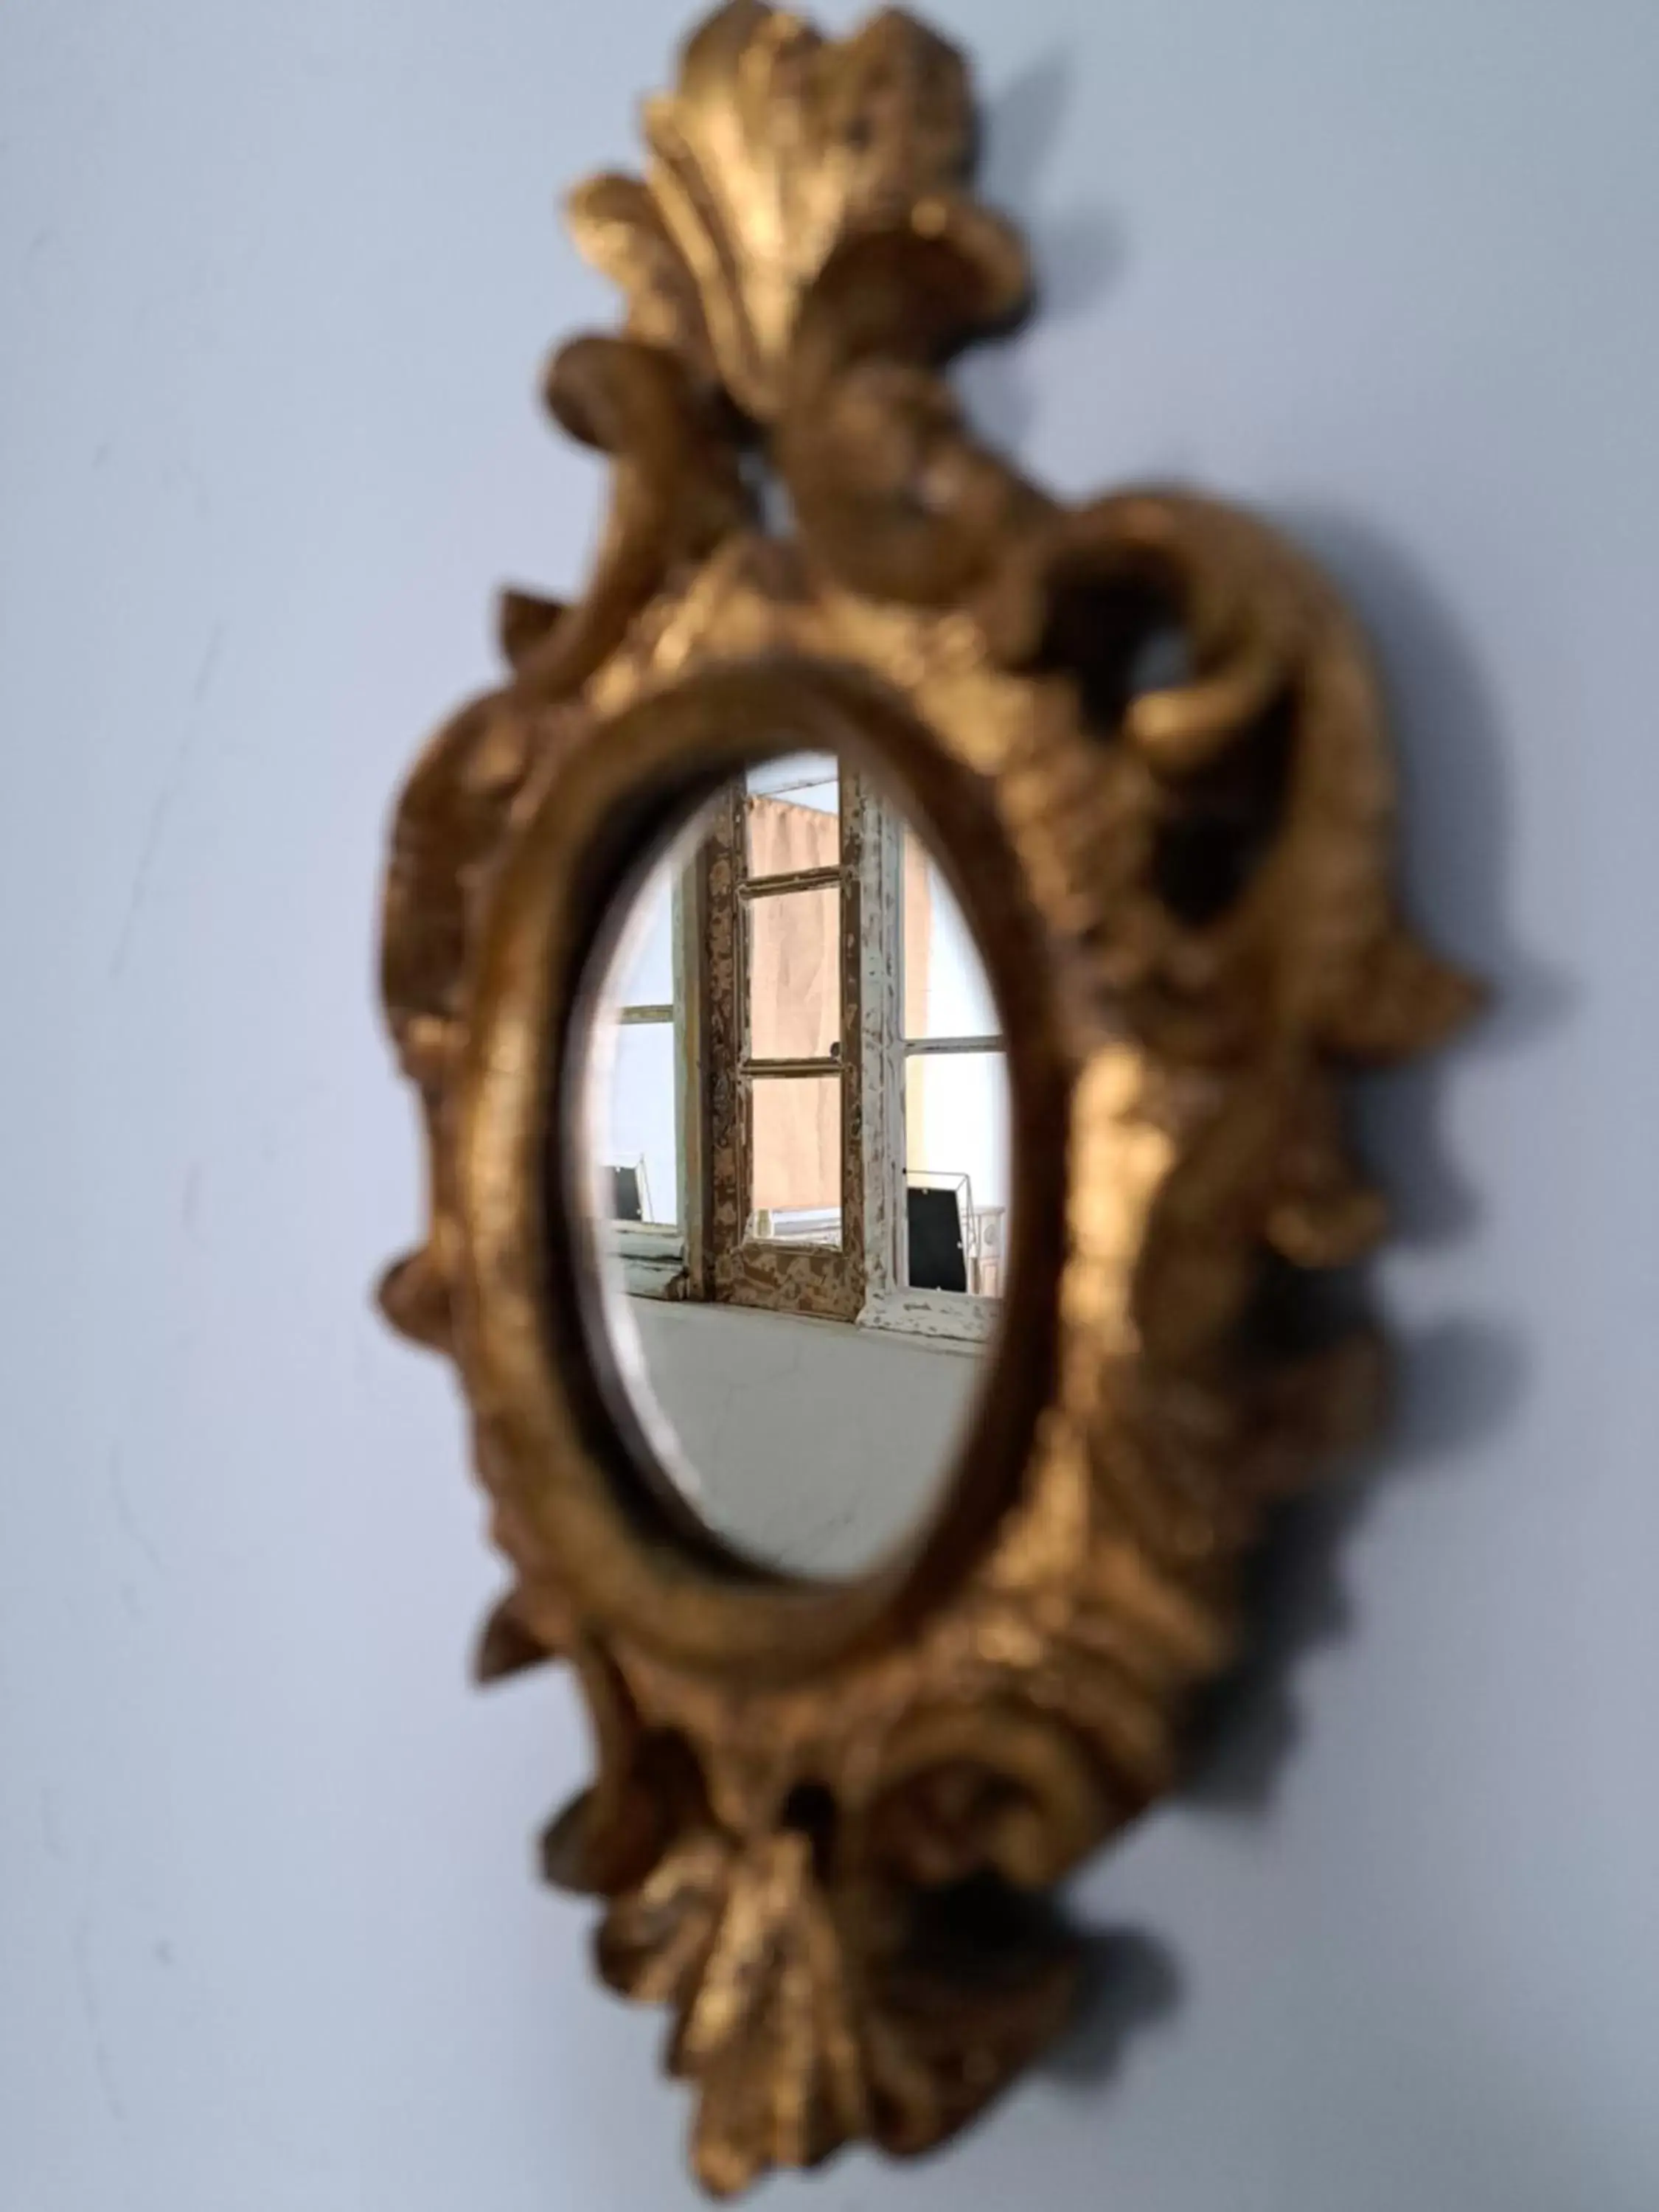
816,1808
777,149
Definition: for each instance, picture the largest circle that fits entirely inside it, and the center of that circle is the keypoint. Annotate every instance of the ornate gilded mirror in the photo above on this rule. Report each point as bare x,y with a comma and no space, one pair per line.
878,975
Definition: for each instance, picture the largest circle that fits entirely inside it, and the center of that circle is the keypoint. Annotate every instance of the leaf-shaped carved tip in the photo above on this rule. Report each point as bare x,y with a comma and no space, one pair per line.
772,2036
601,1842
1331,1227
745,1945
649,1790
507,1645
1312,1412
523,619
653,1942
414,1295
614,1838
618,227
942,2045
1351,1395
1409,1001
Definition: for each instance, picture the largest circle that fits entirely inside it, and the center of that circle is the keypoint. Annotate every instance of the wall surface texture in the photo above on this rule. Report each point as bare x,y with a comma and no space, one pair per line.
274,282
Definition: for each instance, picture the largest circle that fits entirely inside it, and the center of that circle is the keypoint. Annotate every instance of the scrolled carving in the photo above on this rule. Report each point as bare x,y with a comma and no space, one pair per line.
816,1813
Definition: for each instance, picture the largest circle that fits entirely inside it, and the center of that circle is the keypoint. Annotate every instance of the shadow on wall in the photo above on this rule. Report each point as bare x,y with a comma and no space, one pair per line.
1459,1381
1453,1383
1076,252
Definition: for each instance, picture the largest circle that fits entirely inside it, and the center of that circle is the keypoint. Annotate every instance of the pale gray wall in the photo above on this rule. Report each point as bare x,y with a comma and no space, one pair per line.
275,283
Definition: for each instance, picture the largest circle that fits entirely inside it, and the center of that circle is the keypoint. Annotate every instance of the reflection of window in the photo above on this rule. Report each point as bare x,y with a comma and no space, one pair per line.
789,879
809,1081
641,1143
956,1083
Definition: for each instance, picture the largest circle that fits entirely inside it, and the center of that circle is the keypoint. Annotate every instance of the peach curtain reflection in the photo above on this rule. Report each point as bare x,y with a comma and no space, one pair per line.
794,984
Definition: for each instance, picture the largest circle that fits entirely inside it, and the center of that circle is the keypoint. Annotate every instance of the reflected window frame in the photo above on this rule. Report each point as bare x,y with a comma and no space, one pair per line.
822,1279
713,1254
657,1257
891,1302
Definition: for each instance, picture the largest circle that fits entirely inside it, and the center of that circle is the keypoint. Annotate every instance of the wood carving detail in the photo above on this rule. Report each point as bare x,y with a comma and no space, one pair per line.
816,1856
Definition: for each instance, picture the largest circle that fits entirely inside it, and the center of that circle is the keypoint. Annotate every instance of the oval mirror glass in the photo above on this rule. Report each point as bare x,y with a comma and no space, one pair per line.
793,1148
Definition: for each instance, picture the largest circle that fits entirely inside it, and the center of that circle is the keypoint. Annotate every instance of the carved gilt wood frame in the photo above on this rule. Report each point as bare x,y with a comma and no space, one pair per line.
818,1808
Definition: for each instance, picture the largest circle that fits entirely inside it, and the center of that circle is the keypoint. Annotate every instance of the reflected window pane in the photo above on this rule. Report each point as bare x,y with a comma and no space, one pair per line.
946,994
644,975
956,1126
793,810
794,1158
794,974
635,1168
